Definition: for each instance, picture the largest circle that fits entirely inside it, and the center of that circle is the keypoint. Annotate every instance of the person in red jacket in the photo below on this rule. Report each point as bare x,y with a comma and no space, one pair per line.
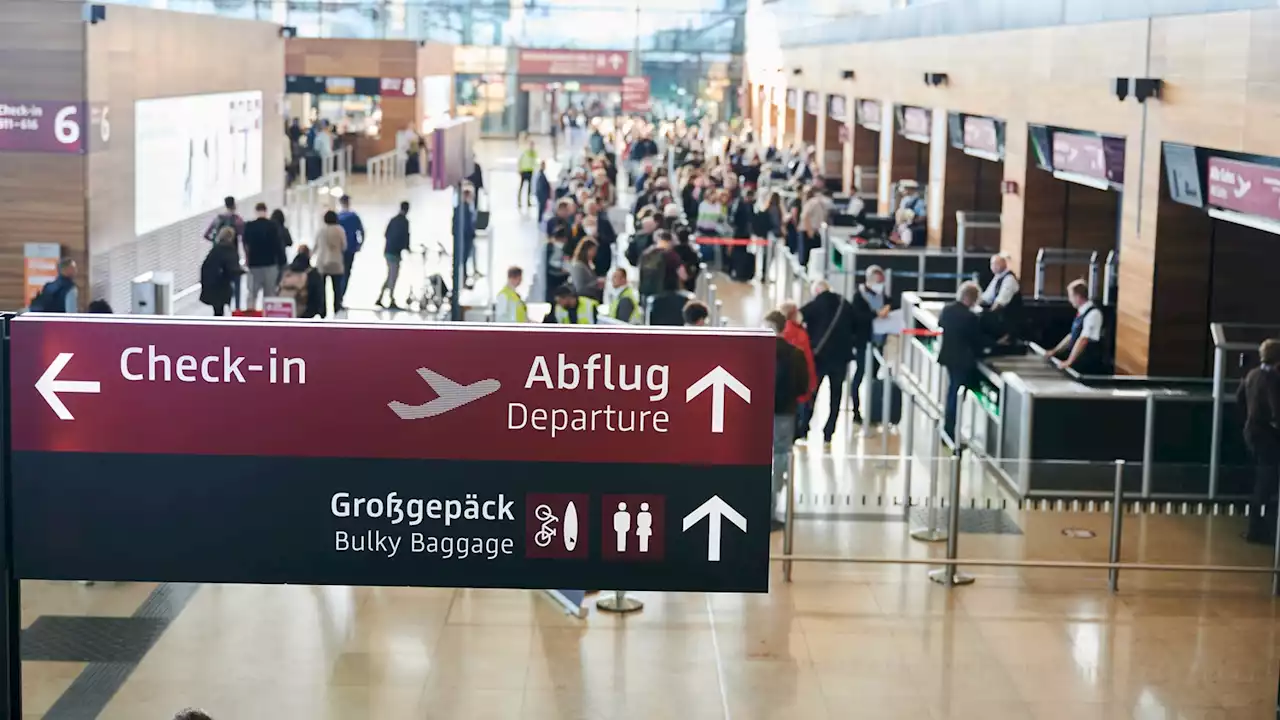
795,334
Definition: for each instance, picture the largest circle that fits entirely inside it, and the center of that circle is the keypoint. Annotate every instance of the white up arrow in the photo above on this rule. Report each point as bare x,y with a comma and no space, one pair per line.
49,386
717,380
714,510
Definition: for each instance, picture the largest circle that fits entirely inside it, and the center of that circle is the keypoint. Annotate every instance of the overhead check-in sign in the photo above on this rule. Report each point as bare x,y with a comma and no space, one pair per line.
271,452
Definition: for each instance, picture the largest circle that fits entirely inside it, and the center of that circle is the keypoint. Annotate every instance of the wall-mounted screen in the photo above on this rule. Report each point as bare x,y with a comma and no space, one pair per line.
1182,171
191,152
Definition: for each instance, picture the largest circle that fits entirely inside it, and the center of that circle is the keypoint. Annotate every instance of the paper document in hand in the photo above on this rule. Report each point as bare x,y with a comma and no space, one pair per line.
890,325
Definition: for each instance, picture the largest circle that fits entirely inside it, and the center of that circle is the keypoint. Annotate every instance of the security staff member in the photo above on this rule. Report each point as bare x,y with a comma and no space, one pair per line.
624,303
572,309
1002,301
509,306
961,346
1084,344
1259,397
870,303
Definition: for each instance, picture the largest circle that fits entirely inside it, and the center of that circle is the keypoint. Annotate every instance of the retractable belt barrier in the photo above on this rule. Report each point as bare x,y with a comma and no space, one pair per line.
470,456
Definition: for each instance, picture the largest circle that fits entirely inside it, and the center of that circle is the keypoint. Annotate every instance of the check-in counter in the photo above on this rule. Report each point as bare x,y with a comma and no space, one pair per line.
1047,433
931,270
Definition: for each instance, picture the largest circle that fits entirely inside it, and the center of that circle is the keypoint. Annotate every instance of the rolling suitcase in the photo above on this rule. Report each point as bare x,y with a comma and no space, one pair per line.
742,264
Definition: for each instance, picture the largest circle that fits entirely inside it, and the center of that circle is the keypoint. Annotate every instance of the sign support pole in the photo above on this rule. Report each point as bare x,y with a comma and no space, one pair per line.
619,603
10,587
459,259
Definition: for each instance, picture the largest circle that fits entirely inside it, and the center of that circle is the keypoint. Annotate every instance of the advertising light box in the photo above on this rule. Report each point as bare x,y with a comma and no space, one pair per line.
191,152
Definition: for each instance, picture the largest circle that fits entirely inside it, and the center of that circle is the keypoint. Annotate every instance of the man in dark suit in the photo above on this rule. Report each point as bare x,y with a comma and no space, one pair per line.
1259,398
832,327
961,346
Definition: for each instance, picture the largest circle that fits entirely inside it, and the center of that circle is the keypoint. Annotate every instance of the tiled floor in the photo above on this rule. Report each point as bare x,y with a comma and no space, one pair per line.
842,641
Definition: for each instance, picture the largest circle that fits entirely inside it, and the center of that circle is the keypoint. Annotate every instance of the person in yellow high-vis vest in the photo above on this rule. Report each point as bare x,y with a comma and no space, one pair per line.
572,309
509,307
527,164
624,302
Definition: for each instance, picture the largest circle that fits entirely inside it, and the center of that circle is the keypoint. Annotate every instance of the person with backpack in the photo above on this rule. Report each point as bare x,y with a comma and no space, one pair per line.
661,270
228,218
60,295
220,271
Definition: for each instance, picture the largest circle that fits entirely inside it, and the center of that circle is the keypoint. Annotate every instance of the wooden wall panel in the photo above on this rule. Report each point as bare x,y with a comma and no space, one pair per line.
1044,207
1222,90
831,150
42,195
972,185
353,58
139,54
809,128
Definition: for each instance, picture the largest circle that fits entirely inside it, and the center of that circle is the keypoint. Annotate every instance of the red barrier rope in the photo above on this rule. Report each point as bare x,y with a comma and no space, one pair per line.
734,242
921,332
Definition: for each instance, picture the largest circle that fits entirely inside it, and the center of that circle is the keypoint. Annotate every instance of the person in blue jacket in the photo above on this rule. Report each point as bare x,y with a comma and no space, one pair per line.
542,190
467,224
354,230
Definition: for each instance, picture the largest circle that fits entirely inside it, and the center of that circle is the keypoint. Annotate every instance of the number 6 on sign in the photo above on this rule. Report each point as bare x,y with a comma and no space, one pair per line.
65,127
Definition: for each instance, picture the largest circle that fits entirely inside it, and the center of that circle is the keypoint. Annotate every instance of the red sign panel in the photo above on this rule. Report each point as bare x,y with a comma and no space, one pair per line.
1101,158
980,134
870,115
582,63
1244,187
635,94
917,123
1081,154
399,87
41,126
529,394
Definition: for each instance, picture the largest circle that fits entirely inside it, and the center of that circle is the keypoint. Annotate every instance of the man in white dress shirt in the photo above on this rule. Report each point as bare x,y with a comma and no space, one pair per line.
1002,301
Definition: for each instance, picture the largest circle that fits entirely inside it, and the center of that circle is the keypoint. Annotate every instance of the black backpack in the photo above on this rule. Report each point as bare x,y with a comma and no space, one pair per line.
223,220
52,297
653,271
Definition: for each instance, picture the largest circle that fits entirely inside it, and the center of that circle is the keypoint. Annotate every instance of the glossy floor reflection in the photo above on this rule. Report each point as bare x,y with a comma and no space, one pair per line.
842,641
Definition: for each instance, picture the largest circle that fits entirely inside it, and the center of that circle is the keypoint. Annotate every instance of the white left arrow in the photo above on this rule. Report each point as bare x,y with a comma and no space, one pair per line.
714,510
717,380
49,386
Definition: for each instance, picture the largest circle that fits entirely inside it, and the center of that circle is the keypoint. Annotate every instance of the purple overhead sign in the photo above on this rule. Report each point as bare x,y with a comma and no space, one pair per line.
1245,187
42,126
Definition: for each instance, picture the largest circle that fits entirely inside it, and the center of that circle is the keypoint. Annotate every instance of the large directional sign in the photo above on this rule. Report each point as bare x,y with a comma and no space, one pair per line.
453,455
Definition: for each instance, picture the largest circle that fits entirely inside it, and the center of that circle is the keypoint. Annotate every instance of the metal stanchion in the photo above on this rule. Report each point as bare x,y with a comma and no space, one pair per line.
711,297
1117,515
951,574
907,450
717,311
704,280
931,532
619,602
1275,576
886,400
789,526
648,310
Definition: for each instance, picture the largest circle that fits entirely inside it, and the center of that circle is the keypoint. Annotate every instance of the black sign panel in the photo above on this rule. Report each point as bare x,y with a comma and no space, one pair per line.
321,85
95,516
